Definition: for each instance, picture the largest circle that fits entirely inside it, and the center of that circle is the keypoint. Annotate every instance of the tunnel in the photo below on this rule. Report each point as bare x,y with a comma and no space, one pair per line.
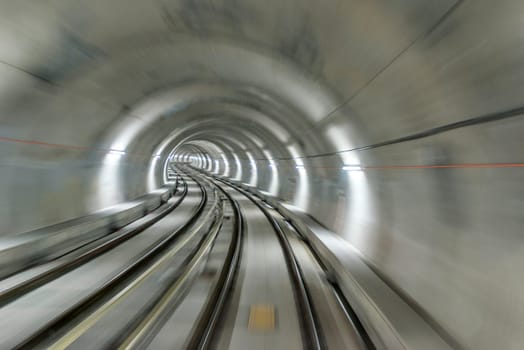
368,150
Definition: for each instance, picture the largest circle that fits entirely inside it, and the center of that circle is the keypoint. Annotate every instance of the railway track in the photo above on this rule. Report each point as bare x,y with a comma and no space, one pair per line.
138,303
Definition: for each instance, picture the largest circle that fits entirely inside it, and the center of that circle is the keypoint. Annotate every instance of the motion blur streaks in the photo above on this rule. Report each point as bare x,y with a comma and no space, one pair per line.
98,97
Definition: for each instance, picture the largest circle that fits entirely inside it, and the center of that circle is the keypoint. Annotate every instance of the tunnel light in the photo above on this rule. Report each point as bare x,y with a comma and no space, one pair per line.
117,152
352,168
299,166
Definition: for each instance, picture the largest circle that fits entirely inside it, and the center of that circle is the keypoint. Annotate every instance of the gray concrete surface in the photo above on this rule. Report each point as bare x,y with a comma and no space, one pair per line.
253,89
25,315
263,280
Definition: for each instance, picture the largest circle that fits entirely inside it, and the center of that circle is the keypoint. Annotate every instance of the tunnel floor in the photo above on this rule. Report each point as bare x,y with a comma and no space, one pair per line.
222,269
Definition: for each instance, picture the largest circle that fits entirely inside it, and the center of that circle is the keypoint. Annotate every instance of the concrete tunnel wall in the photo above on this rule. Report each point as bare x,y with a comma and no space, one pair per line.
422,95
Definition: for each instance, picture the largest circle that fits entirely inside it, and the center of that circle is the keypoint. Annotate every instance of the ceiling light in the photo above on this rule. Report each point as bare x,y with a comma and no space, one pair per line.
117,152
352,168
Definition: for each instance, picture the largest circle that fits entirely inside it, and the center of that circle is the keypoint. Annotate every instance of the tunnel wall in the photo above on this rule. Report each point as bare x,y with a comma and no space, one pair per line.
47,158
424,95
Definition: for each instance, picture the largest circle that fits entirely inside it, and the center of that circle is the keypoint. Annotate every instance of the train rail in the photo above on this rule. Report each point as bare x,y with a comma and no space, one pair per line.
158,280
84,254
310,330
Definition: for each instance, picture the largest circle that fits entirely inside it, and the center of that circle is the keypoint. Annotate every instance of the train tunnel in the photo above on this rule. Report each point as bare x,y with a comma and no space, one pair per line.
368,153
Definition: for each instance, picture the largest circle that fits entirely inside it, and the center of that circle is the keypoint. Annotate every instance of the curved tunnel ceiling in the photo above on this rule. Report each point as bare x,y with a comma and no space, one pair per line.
396,124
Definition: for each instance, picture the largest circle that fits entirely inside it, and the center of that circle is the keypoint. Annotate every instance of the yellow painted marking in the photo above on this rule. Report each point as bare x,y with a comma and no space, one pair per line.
261,317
